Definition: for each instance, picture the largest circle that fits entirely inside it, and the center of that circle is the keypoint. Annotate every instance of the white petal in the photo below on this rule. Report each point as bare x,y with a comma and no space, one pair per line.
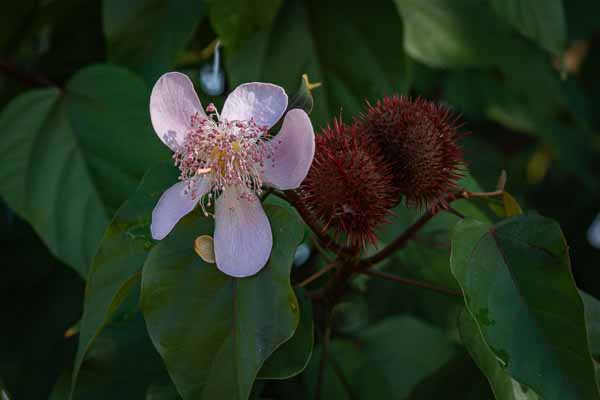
243,238
172,104
264,102
173,205
293,152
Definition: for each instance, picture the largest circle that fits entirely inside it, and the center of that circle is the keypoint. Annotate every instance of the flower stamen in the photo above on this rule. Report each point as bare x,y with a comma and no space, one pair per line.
225,154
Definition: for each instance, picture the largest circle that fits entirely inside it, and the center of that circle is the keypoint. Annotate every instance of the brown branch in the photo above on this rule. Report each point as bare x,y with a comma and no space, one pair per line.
340,374
409,233
336,286
400,241
410,282
495,193
326,337
317,274
26,77
322,251
327,242
451,210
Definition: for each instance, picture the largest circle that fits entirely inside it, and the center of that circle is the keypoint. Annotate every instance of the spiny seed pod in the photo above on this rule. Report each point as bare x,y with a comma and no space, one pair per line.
419,139
349,187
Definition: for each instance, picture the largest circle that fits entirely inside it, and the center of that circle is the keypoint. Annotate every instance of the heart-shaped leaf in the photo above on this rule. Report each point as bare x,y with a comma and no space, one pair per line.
293,356
543,22
236,20
301,40
518,286
116,268
213,331
503,386
98,130
147,35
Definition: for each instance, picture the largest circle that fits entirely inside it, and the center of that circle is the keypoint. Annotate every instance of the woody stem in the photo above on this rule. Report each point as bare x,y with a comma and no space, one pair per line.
408,234
328,242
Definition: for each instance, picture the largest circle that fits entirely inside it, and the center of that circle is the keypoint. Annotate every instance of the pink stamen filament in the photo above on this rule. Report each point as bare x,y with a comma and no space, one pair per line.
226,154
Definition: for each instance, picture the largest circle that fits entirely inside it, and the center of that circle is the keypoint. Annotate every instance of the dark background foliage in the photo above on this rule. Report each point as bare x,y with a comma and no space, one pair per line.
523,74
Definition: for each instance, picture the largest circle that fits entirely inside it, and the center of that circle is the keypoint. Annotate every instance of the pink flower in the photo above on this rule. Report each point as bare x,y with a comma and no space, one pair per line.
225,159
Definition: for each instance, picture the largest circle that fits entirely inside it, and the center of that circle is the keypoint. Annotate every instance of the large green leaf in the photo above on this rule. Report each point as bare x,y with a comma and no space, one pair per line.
503,386
355,61
426,259
467,33
116,268
518,286
293,356
386,361
147,35
592,314
459,379
236,20
213,331
458,33
121,364
71,157
517,85
541,21
530,99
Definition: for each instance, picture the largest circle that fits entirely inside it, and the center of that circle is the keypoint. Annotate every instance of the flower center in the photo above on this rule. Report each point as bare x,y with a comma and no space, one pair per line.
225,153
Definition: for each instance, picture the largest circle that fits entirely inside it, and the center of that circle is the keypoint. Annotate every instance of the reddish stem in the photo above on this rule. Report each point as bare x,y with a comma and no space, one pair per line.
410,282
408,234
325,240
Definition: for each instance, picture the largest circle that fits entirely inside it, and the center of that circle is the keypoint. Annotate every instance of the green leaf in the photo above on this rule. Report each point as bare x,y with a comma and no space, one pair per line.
505,207
503,386
116,268
459,379
236,20
301,41
121,364
541,21
511,206
459,33
425,259
147,35
293,356
530,99
592,313
98,130
518,286
386,361
213,331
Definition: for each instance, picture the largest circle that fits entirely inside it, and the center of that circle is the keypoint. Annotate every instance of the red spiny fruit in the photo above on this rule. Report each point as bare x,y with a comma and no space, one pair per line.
349,187
419,139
